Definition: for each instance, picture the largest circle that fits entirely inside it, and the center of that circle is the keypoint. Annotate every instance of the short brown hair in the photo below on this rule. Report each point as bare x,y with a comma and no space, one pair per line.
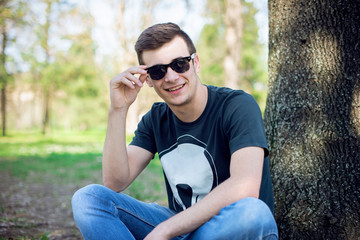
157,35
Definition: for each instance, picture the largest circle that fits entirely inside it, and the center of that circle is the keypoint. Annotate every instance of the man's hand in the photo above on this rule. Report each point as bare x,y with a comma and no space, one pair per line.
125,86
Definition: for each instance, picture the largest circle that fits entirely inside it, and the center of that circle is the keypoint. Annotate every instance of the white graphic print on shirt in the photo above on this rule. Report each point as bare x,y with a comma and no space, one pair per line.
188,168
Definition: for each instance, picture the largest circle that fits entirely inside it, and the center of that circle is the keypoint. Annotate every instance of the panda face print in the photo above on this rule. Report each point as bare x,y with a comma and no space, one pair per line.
189,169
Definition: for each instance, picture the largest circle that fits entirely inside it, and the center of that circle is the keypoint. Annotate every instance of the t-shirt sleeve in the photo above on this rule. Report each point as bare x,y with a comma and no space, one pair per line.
244,124
144,134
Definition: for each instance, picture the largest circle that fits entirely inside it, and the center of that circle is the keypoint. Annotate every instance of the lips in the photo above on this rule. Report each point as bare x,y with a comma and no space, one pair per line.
175,88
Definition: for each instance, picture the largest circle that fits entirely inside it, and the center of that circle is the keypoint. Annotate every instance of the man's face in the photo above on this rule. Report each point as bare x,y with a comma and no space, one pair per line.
176,89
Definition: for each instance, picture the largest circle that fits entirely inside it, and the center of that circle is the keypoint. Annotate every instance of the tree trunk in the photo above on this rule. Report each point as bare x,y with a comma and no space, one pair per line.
3,77
46,116
233,38
312,117
3,109
47,89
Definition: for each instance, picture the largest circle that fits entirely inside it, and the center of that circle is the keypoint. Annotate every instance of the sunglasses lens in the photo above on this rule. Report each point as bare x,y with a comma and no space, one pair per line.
180,65
157,72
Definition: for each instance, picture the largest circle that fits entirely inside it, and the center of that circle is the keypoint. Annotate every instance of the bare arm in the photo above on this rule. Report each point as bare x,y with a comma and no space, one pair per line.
245,179
119,166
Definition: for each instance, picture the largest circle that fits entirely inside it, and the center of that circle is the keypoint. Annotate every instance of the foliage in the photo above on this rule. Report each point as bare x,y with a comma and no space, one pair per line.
11,13
61,74
212,50
58,64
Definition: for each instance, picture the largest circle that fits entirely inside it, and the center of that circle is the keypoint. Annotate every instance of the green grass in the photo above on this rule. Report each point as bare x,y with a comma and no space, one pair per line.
70,157
65,156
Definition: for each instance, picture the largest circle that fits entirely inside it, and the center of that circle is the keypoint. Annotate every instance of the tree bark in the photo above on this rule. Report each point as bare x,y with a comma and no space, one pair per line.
312,117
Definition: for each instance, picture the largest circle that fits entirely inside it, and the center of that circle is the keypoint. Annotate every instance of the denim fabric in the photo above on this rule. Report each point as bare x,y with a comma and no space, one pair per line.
101,213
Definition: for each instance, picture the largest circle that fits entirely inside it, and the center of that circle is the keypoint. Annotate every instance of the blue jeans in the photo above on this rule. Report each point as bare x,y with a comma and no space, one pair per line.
101,213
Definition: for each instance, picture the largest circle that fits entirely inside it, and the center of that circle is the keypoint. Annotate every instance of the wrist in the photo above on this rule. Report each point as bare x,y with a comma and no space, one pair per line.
164,230
113,109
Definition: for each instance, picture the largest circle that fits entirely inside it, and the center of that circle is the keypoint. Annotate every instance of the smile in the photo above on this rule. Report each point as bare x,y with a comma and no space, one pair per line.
175,88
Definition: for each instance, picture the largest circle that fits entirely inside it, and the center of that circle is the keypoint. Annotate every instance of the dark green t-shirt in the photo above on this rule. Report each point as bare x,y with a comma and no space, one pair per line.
196,156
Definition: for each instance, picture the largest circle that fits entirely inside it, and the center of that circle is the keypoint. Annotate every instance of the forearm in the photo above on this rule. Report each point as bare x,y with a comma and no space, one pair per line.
118,170
115,164
190,219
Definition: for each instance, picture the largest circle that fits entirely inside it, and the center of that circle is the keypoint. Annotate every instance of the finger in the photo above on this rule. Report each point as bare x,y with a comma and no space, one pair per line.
133,79
119,80
137,69
124,82
143,77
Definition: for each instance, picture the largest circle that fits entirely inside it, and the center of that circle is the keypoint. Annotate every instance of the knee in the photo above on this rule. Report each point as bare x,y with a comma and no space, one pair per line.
256,216
85,198
254,210
249,218
83,195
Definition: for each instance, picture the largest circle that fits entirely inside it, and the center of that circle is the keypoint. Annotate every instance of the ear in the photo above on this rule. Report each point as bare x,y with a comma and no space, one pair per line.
148,81
197,63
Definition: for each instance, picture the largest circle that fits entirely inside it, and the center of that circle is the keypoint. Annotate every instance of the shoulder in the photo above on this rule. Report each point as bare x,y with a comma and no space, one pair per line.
157,111
159,108
231,98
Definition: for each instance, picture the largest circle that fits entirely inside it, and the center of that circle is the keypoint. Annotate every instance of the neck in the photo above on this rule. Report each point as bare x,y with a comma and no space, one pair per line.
193,110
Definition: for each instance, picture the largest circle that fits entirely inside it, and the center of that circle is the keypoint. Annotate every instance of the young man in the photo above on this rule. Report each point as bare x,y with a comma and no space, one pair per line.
211,144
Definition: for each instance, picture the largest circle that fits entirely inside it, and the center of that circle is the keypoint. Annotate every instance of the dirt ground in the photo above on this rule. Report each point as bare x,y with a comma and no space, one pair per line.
36,209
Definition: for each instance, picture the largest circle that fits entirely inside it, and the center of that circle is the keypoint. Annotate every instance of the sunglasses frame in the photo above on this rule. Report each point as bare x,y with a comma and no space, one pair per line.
166,66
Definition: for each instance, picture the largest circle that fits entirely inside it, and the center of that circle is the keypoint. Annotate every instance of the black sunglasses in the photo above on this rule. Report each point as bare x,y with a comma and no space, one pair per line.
179,65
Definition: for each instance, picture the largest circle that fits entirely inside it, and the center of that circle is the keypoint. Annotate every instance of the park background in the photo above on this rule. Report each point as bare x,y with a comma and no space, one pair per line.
57,58
300,59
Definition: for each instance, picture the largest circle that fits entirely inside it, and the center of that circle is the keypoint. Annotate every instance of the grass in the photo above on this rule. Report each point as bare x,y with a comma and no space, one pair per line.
62,160
65,156
70,157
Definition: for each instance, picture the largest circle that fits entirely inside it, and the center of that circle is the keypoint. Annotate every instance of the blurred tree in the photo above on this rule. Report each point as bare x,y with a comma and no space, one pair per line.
79,86
65,73
47,79
211,47
124,53
63,67
11,13
312,117
233,19
251,70
253,64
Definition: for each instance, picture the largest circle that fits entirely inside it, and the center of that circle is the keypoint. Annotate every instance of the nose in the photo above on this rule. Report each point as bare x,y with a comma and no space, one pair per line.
171,75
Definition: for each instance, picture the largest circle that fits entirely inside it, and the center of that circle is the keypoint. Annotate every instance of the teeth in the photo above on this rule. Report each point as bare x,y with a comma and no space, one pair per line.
175,88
